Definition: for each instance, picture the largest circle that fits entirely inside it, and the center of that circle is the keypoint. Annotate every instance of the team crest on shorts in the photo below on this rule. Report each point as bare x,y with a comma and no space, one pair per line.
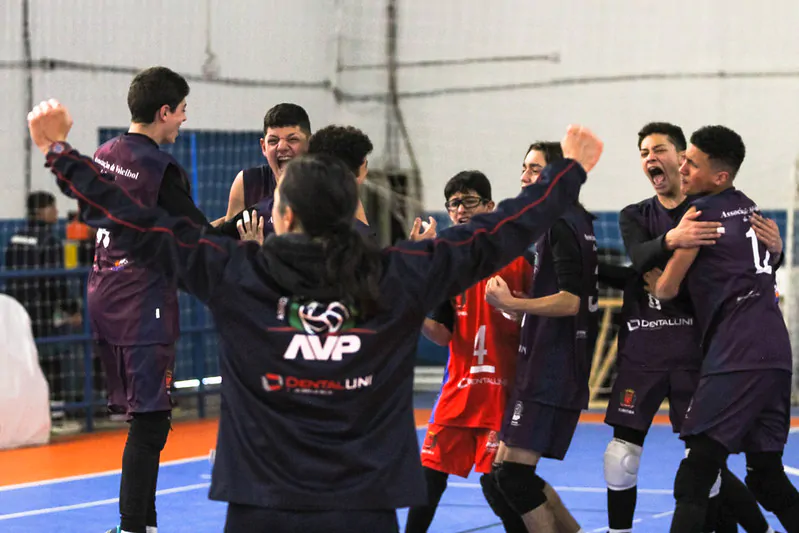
430,441
168,381
627,399
493,440
517,414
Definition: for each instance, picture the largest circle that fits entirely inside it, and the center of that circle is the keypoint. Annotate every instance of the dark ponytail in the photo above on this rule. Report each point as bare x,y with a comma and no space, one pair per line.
355,265
323,194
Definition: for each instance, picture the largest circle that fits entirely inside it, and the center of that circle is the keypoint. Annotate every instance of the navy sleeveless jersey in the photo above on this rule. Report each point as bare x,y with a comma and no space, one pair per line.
128,304
732,288
259,184
657,335
555,353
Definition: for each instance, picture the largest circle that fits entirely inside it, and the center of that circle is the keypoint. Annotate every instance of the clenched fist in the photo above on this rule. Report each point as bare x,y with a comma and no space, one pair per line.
49,122
582,145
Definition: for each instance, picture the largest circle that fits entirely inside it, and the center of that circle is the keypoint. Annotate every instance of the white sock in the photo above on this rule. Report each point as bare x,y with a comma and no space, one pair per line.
152,529
770,530
619,531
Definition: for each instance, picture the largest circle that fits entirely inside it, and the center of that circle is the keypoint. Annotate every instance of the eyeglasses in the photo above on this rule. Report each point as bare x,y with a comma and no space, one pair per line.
468,202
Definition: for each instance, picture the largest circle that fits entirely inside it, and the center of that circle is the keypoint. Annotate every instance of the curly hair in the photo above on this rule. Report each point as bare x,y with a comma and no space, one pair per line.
347,143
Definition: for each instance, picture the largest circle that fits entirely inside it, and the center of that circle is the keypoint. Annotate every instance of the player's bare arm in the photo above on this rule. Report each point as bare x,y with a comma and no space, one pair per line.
436,332
690,232
562,303
667,285
235,204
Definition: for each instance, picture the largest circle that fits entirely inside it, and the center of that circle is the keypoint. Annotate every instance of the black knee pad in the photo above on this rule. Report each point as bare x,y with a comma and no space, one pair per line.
765,477
493,496
522,487
150,430
699,471
436,484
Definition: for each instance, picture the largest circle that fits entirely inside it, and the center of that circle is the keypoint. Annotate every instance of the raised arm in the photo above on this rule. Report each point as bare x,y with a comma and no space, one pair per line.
175,245
464,254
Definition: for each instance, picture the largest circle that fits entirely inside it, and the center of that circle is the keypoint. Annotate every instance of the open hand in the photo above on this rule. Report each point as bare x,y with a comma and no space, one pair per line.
691,233
251,229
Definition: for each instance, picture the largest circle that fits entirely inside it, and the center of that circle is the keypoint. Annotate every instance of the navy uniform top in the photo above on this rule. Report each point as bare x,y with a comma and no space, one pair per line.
264,208
555,353
317,404
731,285
259,183
130,304
35,247
655,335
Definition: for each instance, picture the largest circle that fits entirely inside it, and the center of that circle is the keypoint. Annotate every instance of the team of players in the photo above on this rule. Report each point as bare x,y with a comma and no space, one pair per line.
521,341
663,354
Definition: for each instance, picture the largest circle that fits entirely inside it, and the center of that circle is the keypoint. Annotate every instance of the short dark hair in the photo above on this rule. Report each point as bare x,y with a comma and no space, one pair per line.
722,145
674,133
38,200
552,150
153,88
284,115
466,181
349,144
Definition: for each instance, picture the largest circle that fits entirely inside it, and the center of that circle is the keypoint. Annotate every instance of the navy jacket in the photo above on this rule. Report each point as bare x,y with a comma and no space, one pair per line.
317,407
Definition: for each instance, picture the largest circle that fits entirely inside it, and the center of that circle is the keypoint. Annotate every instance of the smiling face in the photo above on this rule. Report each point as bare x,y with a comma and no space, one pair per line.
661,161
281,145
169,123
534,162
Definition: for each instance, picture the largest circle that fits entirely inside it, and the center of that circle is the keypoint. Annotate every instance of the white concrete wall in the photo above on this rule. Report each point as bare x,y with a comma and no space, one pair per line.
299,40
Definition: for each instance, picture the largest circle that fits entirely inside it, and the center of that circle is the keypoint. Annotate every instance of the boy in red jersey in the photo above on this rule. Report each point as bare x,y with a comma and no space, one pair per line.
483,342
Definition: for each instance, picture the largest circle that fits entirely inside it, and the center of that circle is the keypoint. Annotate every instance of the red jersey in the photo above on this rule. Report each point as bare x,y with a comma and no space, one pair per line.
482,355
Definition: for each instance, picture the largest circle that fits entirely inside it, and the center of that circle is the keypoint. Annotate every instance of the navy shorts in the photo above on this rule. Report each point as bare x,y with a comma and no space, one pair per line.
746,411
637,396
263,520
138,378
544,429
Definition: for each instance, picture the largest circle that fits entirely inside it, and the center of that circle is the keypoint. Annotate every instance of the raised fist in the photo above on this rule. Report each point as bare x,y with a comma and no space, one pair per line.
582,145
49,122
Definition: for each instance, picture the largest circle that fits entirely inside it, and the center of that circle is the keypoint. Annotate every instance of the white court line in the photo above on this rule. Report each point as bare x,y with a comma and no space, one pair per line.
94,475
97,503
794,429
54,481
791,470
597,490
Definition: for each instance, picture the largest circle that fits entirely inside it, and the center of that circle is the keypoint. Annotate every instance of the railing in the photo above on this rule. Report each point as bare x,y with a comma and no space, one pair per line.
197,329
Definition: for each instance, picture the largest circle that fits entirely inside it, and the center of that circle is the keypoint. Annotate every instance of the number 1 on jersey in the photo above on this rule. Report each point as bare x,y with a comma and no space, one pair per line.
760,268
480,353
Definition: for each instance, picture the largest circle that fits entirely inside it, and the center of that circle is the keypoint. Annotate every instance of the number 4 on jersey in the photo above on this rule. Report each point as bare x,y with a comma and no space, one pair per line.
480,353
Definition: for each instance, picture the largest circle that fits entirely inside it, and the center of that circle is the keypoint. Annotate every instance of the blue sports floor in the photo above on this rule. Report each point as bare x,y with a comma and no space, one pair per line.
89,505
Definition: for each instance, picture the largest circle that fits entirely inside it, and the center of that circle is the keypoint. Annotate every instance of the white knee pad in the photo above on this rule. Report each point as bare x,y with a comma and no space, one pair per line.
622,460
